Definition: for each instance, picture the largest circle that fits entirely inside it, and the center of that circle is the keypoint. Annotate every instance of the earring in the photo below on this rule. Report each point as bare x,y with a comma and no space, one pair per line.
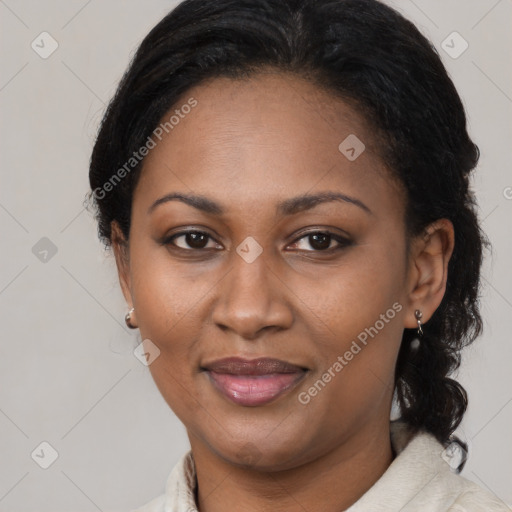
415,343
418,314
128,319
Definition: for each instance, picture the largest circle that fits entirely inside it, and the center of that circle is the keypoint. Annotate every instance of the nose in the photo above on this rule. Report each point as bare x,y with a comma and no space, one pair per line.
252,299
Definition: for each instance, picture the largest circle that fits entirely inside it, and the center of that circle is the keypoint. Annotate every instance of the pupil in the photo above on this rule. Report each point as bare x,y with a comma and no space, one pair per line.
320,241
196,240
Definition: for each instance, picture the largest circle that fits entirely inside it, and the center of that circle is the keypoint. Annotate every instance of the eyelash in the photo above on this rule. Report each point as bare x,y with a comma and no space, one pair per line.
342,241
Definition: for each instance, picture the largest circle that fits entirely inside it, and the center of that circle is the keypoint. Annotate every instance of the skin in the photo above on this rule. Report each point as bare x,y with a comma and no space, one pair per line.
249,145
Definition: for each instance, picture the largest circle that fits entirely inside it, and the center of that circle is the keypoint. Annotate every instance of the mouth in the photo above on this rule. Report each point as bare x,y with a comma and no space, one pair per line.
253,382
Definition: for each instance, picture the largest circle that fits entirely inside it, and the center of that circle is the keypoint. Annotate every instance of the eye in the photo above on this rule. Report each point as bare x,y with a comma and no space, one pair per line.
321,241
191,240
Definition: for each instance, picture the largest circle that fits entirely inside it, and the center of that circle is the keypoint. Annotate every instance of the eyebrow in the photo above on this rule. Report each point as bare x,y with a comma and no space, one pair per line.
288,207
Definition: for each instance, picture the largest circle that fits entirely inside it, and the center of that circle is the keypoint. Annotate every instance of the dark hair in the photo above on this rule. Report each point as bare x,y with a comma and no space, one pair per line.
368,54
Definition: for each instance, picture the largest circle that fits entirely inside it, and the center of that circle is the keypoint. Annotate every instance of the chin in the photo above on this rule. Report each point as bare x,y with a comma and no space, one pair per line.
262,454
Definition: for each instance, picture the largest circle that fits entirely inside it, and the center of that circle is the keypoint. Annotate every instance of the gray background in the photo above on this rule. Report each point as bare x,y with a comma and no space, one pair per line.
67,369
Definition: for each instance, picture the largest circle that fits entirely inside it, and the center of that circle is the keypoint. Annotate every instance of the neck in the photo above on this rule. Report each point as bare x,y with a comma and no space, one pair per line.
331,482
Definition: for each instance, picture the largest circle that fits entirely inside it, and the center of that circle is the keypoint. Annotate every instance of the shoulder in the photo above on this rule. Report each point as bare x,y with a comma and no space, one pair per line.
473,498
420,479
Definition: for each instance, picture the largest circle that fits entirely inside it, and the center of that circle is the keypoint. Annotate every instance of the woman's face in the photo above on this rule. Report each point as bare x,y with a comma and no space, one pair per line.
299,255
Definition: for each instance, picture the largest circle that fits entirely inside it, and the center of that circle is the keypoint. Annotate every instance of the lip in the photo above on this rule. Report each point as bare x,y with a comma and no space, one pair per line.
253,382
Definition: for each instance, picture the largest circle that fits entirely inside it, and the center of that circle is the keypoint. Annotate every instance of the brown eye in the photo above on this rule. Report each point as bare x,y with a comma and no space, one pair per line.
190,240
321,241
196,240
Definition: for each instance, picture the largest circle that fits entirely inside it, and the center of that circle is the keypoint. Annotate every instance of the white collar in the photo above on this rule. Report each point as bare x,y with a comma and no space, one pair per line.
418,479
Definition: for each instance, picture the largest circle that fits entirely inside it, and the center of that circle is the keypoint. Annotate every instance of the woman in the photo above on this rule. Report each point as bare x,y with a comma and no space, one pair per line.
284,184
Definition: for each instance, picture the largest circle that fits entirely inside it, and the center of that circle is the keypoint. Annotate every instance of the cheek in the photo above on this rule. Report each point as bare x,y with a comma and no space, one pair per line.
172,378
354,380
168,305
351,296
355,314
166,293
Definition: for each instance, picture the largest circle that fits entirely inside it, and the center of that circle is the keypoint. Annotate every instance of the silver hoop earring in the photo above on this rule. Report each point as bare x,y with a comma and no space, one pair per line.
128,319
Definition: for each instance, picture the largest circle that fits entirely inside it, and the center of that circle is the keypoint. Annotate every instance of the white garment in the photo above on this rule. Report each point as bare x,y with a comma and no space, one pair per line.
418,480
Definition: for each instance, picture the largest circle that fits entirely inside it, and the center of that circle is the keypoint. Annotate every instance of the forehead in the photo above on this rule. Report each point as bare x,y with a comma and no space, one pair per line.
268,135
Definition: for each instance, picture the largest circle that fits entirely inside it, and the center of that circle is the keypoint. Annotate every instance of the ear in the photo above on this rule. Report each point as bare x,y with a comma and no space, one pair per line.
121,253
428,270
